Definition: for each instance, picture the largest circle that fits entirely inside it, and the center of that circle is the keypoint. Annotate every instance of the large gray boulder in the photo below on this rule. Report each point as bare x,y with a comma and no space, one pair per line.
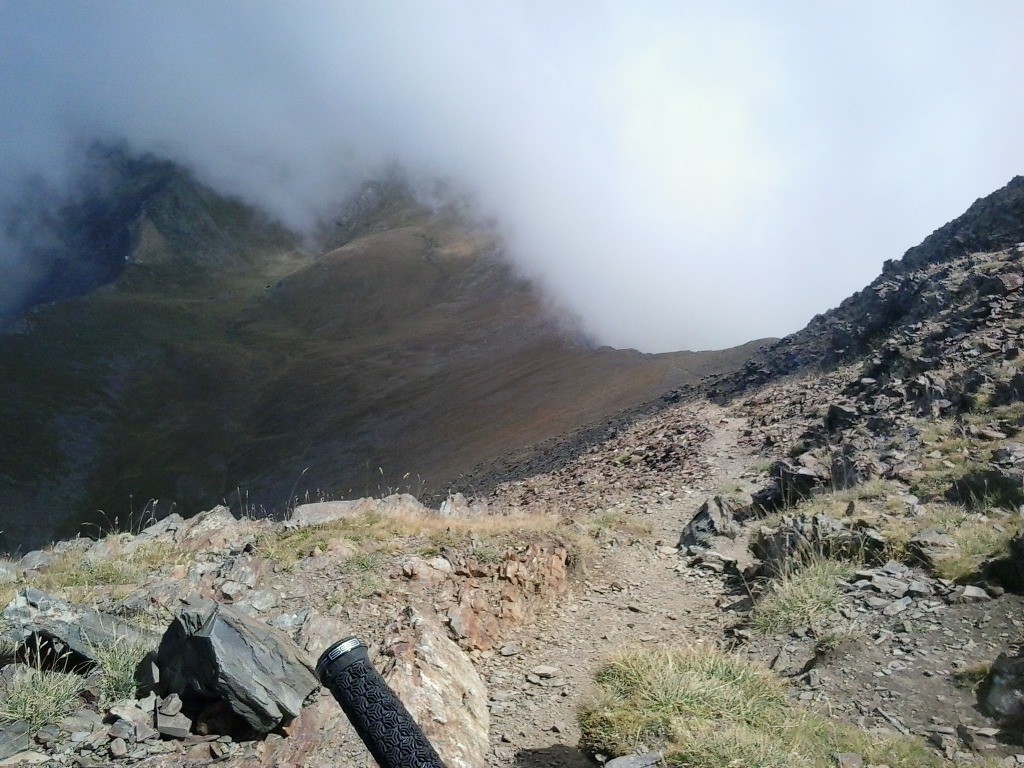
214,653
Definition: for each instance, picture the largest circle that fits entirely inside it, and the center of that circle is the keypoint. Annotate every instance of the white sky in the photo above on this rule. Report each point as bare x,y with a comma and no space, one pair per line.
681,175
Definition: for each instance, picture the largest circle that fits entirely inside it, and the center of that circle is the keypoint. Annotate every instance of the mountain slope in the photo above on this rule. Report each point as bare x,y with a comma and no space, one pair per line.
224,362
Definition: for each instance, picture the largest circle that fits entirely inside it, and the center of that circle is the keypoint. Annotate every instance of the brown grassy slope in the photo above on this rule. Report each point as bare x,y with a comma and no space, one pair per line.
403,358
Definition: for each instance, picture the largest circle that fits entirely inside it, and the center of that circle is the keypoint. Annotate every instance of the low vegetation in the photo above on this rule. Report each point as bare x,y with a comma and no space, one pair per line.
804,594
117,664
39,696
709,709
74,570
372,537
982,530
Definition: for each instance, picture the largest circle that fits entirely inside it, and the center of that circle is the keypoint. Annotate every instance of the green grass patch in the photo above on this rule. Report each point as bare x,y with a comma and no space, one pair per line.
710,709
805,593
117,663
40,697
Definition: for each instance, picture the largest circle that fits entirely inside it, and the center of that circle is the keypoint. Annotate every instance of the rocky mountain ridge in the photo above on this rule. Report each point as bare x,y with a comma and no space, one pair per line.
855,534
909,290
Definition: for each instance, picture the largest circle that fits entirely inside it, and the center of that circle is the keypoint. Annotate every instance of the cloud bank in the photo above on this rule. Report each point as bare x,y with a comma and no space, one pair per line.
680,175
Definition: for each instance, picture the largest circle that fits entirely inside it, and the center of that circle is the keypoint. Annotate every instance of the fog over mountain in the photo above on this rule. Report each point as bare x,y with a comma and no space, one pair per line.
680,175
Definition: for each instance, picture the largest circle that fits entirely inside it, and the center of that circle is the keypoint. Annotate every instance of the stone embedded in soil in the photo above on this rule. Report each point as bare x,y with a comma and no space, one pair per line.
545,671
972,594
645,760
714,518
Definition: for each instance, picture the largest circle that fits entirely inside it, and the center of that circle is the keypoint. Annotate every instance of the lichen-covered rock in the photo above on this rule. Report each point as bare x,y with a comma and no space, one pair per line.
441,689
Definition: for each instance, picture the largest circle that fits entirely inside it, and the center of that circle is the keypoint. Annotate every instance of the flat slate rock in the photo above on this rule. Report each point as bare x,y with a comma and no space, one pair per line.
82,629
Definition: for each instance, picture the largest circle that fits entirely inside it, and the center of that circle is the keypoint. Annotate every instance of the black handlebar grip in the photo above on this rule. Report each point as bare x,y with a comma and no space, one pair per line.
378,715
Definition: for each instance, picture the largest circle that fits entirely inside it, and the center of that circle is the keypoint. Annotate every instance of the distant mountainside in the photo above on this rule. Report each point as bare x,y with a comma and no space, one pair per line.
210,357
912,290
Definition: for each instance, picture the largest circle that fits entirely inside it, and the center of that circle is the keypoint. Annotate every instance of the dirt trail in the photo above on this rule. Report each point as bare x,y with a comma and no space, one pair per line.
631,594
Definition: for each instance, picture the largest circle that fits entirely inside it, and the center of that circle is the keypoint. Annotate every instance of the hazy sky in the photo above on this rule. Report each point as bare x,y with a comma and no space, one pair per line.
681,175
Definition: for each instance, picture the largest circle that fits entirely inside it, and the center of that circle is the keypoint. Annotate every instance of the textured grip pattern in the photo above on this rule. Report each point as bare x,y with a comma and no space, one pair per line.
381,720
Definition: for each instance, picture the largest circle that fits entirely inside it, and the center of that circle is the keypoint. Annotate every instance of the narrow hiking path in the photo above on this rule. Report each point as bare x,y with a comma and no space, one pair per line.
633,592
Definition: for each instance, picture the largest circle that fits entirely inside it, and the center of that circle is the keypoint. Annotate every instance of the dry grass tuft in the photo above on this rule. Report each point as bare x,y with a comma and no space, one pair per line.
375,534
39,697
75,571
710,709
117,663
805,593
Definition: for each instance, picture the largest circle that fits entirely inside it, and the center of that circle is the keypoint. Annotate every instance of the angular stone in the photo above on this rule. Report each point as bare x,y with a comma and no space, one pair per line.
171,705
972,594
14,738
645,760
123,729
714,518
898,606
545,671
35,560
175,726
131,713
218,653
930,546
890,586
1001,693
442,690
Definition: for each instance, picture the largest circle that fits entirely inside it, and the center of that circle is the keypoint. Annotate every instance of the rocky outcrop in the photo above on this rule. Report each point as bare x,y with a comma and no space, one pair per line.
714,518
1001,693
797,537
213,654
492,597
78,629
441,689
